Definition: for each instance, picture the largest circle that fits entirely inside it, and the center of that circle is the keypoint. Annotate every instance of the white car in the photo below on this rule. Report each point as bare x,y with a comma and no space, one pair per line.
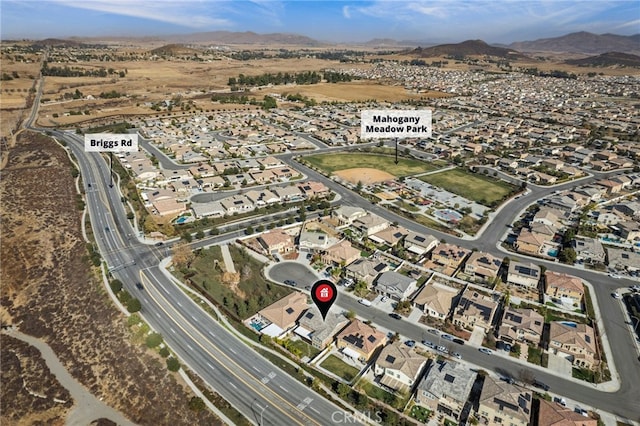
485,351
615,295
612,275
456,355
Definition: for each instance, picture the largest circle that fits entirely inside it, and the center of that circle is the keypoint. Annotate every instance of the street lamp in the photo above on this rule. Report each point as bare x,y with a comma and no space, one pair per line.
261,411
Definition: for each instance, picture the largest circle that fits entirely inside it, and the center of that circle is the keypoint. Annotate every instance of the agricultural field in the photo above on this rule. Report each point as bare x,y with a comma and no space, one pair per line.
481,189
331,163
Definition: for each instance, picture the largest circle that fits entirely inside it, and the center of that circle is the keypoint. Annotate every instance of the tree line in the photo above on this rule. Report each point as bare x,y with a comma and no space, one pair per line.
307,77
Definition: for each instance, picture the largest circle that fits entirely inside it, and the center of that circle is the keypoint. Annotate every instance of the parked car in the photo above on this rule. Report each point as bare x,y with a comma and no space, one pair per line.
560,401
364,302
456,355
428,344
442,349
458,341
539,384
447,337
485,351
384,299
615,295
410,343
290,282
395,316
508,379
434,331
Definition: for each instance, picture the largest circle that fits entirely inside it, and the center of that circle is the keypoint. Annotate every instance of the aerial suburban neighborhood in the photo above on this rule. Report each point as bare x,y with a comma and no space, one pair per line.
173,202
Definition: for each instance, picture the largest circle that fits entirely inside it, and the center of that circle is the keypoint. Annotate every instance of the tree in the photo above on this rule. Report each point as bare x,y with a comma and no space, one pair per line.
187,236
196,404
567,255
116,286
343,390
200,234
350,315
153,340
164,352
181,254
134,305
249,230
173,364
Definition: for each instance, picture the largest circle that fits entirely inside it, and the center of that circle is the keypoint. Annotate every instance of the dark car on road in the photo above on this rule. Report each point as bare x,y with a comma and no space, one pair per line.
395,316
139,286
458,341
447,337
290,282
539,384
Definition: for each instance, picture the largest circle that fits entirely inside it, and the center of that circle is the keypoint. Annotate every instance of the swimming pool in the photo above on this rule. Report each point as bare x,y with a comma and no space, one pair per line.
553,252
568,323
181,219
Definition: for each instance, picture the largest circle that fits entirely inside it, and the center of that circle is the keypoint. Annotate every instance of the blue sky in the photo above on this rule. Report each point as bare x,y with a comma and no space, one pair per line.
432,21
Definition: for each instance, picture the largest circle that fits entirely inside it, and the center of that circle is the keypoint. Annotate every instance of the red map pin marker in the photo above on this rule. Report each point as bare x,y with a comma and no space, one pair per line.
324,293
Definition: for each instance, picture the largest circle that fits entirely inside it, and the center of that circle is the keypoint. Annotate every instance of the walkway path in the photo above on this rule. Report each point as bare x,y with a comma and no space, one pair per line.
228,261
87,407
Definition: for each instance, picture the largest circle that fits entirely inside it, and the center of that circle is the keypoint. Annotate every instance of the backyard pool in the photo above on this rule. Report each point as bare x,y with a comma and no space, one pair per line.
553,252
181,219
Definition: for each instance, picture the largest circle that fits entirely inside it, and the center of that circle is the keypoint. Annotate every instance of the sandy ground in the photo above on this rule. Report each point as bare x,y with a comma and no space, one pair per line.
365,175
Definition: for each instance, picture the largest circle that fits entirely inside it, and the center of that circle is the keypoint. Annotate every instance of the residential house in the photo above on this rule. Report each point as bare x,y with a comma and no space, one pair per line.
474,309
312,189
629,208
554,414
359,340
318,331
288,193
445,388
623,259
523,274
237,204
277,241
629,230
283,314
366,270
502,404
530,242
339,254
483,266
611,187
346,215
399,366
419,243
589,250
521,325
548,216
447,258
576,342
564,288
435,300
389,236
314,241
395,285
370,224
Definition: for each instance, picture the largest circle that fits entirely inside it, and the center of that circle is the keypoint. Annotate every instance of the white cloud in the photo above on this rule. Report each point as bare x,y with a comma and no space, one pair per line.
346,12
634,23
193,14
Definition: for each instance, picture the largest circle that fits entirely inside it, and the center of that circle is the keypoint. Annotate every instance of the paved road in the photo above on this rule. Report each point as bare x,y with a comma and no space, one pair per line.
240,375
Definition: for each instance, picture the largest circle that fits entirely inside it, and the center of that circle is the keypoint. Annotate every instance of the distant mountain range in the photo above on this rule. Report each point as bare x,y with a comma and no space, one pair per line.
247,37
582,42
467,48
607,60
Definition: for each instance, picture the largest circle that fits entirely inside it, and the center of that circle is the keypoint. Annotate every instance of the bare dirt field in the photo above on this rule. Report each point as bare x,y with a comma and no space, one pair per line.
364,175
50,293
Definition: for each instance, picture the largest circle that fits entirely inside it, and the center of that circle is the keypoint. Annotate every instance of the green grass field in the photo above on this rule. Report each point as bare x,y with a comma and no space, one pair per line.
339,368
475,187
330,163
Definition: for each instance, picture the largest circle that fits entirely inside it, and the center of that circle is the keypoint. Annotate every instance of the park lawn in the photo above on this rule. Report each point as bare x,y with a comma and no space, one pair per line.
339,368
330,163
475,187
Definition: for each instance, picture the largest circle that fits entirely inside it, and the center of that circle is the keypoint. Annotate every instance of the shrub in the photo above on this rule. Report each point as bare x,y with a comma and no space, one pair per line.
133,305
116,285
164,352
173,364
153,340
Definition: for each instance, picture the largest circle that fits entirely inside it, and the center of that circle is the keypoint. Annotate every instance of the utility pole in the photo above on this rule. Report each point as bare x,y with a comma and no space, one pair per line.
110,169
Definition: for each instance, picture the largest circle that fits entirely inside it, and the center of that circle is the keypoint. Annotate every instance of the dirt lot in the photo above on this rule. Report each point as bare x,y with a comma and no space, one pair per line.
364,175
49,292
